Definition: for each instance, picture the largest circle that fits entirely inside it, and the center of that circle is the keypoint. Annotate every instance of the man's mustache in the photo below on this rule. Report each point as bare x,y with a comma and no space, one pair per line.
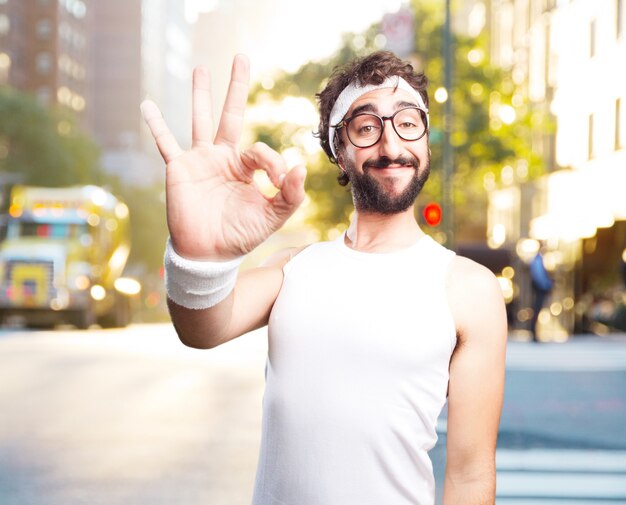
384,162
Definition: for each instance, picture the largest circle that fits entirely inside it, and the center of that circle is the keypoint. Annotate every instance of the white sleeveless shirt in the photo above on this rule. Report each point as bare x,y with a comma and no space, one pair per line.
357,374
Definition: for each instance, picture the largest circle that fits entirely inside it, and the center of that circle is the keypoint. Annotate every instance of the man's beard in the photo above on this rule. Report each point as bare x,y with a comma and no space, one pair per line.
369,194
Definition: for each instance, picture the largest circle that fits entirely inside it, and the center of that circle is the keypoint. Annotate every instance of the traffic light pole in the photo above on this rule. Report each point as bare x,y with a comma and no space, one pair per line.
448,162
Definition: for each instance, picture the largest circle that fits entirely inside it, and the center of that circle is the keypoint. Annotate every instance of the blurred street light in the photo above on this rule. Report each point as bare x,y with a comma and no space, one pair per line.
507,114
441,95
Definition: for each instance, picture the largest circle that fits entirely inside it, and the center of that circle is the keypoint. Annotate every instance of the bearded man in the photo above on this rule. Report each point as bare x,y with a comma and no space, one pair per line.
369,334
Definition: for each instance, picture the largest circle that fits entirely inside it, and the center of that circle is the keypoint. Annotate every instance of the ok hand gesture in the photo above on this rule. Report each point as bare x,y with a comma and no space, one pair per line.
215,211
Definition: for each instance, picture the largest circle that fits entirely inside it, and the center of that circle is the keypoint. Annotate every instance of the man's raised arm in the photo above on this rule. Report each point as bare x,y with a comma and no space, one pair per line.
216,214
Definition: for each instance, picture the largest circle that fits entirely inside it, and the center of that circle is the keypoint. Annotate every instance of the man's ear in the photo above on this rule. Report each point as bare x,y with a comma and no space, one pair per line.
340,162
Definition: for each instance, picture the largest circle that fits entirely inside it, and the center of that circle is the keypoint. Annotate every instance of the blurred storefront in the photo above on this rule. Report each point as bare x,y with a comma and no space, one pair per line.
580,218
563,57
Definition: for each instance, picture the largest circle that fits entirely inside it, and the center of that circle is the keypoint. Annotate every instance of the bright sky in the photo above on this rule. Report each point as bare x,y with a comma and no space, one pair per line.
281,34
287,33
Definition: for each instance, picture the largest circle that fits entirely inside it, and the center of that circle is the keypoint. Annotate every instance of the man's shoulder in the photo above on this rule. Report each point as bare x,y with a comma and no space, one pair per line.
280,258
474,294
472,283
468,272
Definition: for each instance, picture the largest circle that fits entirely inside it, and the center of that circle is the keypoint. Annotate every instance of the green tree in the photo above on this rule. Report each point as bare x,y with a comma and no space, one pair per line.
483,142
44,146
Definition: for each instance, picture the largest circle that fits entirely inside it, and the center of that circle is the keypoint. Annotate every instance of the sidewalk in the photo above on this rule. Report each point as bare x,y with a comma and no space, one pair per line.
523,336
583,353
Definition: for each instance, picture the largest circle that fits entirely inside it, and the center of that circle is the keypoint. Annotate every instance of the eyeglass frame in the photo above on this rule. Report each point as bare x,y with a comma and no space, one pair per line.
346,122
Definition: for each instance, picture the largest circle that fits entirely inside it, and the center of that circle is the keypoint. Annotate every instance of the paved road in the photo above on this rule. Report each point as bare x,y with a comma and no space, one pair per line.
127,418
132,417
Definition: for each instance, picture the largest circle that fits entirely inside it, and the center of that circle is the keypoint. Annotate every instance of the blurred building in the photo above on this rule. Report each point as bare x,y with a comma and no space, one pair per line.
565,59
101,59
44,50
211,26
141,48
228,27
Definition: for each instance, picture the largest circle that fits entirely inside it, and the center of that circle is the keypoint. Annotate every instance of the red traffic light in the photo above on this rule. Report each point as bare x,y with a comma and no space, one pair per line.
432,214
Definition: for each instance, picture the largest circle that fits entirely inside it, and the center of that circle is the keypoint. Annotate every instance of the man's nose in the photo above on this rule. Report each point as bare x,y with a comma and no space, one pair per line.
390,143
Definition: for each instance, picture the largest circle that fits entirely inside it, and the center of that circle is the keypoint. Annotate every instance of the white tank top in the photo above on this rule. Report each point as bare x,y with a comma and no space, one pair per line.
357,374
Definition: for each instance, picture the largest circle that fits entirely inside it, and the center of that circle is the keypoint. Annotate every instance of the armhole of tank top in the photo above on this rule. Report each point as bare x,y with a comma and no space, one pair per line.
289,263
446,263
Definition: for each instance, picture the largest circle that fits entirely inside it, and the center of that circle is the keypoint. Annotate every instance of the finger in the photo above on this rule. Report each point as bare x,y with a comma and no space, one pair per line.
260,156
165,141
231,122
201,122
292,194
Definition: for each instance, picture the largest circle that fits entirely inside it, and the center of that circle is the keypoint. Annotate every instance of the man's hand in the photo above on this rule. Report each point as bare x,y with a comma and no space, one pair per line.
215,211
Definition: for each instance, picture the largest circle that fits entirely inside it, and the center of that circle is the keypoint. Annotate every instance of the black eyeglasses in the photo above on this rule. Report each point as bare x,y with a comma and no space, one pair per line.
365,128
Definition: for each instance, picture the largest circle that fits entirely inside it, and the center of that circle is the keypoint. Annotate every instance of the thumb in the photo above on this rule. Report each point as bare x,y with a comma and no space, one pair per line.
291,193
292,188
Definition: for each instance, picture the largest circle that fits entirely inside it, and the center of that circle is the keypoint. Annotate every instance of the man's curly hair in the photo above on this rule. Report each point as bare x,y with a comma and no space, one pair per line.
371,69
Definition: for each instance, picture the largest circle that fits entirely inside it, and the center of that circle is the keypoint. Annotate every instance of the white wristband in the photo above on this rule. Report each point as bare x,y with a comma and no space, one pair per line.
198,284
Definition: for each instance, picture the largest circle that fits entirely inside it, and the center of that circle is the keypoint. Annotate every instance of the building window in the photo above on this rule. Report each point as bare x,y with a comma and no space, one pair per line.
44,95
5,67
547,74
549,5
5,24
80,10
592,39
43,63
44,29
77,8
590,139
618,124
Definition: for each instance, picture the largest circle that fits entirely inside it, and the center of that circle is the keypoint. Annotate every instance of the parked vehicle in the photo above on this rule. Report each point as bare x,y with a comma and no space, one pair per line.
63,257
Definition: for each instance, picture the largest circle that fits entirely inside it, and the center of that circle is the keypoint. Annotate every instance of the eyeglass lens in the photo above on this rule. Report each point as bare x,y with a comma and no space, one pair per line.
365,130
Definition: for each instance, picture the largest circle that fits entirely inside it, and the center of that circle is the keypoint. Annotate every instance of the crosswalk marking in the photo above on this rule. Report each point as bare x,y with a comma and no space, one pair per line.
561,485
538,476
557,501
562,460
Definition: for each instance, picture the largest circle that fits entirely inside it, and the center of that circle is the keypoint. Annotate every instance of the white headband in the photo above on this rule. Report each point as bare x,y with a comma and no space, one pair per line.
353,91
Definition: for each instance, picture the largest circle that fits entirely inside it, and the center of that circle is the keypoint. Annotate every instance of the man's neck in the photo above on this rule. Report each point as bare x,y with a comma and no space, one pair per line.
371,232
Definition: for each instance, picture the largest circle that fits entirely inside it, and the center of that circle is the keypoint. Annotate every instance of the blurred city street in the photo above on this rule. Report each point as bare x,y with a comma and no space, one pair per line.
524,123
132,417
